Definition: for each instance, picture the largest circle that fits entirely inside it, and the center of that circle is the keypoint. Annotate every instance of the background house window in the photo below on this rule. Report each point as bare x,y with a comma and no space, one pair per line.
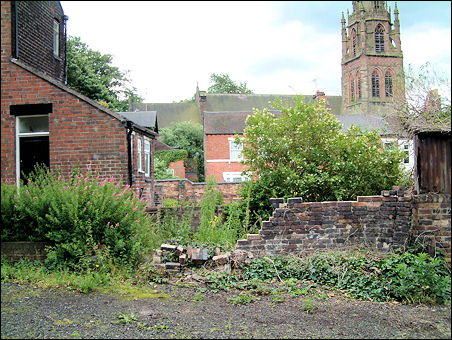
147,157
235,150
234,177
56,38
139,154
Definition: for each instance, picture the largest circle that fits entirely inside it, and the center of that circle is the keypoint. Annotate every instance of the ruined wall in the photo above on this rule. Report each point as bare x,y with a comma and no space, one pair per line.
377,222
431,221
186,190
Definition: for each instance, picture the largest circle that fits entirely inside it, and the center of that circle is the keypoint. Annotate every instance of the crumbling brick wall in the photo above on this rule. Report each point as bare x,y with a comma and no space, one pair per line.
431,221
186,190
378,222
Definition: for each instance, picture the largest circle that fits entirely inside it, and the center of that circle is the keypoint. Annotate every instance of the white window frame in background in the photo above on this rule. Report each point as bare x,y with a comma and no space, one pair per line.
139,154
235,150
232,177
147,157
56,38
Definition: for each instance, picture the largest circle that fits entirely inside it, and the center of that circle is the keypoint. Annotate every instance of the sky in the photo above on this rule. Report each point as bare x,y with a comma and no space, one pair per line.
282,47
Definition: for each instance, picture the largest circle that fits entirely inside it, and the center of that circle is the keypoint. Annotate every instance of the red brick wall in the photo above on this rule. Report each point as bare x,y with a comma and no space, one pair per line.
185,190
217,148
431,220
80,133
178,167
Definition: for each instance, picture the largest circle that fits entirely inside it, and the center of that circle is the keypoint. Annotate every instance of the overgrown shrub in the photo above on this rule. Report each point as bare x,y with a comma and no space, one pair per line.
85,219
405,277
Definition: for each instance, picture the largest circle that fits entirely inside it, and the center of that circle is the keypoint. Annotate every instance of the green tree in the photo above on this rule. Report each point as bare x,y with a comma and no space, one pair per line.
90,73
304,153
222,83
187,136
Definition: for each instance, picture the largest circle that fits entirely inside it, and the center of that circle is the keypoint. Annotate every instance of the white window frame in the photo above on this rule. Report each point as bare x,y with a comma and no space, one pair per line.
139,154
407,145
235,150
231,177
147,157
56,38
25,134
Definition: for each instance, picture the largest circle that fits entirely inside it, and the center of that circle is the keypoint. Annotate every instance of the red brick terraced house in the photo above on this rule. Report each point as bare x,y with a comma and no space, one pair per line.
44,121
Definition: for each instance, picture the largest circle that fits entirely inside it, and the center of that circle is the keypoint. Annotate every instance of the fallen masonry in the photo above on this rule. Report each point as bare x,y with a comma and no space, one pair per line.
173,258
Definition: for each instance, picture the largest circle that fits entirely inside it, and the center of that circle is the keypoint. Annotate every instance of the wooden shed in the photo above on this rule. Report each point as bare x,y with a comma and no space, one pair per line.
432,162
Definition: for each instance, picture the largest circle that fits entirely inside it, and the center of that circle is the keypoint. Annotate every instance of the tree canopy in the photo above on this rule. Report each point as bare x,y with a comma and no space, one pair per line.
222,83
187,136
303,152
92,74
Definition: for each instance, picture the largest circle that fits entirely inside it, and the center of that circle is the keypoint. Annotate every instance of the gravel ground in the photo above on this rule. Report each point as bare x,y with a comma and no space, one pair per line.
28,312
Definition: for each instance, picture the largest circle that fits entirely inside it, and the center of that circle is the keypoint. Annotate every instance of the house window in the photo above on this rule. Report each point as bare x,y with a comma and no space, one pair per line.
147,158
139,155
235,150
32,148
234,177
375,84
388,84
407,147
379,39
56,38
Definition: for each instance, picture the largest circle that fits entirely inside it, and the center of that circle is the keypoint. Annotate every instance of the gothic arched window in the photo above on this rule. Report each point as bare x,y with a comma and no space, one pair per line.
375,84
354,42
352,89
358,85
379,39
388,84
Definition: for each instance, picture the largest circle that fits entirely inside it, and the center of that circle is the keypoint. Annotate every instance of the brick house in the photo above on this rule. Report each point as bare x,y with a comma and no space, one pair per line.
371,58
44,121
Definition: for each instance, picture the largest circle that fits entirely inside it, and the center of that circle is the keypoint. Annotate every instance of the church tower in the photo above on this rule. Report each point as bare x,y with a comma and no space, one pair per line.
372,59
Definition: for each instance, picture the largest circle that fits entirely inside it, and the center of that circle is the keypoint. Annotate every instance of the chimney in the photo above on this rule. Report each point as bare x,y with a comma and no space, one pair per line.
319,95
433,102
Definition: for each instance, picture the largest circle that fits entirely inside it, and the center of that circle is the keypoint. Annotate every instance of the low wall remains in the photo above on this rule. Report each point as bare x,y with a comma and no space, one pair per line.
379,222
186,190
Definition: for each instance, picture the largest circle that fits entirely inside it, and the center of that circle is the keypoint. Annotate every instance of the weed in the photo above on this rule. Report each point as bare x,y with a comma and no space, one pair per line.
127,317
242,299
308,305
199,297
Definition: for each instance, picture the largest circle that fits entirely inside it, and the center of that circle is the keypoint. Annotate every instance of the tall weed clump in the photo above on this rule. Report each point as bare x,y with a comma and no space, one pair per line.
88,221
212,229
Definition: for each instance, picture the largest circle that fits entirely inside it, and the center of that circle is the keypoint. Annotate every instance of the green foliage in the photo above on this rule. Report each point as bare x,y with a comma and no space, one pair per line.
187,136
222,83
304,153
405,277
161,169
87,221
243,298
163,158
212,230
90,73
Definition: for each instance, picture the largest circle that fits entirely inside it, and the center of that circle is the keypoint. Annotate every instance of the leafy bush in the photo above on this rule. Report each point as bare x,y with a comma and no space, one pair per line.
304,153
80,217
406,277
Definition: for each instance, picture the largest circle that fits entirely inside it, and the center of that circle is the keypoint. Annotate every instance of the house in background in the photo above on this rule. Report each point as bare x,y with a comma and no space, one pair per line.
371,58
44,121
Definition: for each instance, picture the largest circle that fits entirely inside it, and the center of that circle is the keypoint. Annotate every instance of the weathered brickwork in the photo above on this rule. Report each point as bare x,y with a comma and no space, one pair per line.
186,190
35,36
431,221
378,222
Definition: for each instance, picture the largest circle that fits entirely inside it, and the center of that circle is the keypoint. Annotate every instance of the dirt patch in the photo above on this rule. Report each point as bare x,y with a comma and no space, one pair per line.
194,312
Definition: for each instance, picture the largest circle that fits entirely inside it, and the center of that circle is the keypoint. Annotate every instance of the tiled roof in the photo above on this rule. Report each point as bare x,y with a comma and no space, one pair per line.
143,118
170,113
